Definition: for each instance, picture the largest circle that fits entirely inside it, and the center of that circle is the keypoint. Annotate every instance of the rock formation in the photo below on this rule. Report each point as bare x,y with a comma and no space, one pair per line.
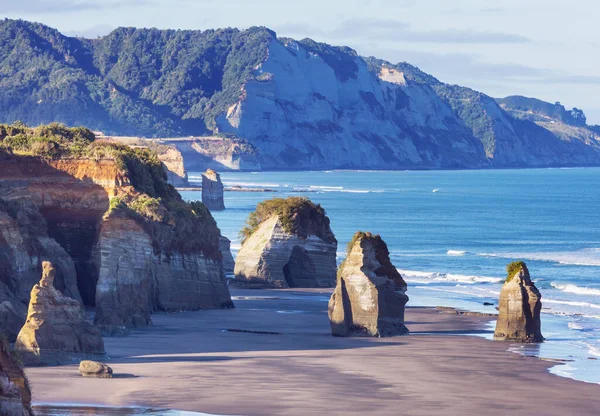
519,307
121,238
23,243
57,328
95,369
369,297
228,262
15,395
217,153
212,191
289,243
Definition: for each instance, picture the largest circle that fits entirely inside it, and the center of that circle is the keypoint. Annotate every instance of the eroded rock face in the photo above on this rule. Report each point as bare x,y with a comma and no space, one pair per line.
130,270
272,257
519,309
15,395
56,329
212,191
228,262
23,245
369,297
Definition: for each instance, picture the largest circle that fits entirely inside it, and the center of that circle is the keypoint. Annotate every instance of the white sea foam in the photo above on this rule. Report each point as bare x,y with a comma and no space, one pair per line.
432,277
456,253
578,290
572,303
585,257
252,184
436,190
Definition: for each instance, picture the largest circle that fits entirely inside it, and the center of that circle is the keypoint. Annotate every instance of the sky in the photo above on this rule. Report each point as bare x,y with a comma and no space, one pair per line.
546,49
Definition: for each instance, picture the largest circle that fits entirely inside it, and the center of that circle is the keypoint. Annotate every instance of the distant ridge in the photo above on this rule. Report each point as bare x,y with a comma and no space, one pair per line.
302,104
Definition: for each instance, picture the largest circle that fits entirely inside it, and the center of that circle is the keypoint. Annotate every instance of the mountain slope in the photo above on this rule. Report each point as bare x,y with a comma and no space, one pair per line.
302,104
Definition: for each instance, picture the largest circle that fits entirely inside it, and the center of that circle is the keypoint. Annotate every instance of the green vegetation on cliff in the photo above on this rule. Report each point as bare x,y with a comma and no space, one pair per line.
173,224
144,82
514,268
297,215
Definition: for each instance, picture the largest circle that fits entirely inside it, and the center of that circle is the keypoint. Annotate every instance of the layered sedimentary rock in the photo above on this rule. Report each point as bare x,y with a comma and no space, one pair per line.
278,257
23,244
212,191
228,262
369,297
57,328
120,237
217,153
519,307
15,395
131,269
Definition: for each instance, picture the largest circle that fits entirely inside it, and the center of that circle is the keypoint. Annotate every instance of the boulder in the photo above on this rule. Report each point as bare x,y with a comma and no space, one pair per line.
56,329
212,191
95,369
370,294
519,307
289,244
228,262
15,395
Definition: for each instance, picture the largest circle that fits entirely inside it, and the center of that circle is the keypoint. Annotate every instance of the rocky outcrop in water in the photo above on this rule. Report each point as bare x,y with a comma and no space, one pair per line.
57,328
292,247
369,297
519,307
15,395
212,191
228,262
217,153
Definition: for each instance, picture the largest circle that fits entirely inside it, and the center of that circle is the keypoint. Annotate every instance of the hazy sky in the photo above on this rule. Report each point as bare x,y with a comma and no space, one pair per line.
547,49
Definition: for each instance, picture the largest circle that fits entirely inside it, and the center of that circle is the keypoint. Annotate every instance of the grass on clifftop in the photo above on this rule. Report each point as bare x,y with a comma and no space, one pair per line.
173,224
298,215
513,268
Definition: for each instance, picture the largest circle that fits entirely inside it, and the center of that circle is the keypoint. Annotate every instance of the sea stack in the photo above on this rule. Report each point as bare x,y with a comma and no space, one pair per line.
519,307
370,294
212,191
56,329
15,395
287,243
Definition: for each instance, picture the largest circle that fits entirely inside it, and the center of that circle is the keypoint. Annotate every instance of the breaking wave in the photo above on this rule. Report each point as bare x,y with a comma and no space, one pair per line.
432,277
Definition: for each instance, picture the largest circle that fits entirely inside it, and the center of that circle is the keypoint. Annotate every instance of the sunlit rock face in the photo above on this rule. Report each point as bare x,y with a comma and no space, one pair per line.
276,258
519,309
56,329
369,298
307,111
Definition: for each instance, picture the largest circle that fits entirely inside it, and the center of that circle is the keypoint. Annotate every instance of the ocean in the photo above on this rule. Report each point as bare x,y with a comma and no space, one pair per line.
452,233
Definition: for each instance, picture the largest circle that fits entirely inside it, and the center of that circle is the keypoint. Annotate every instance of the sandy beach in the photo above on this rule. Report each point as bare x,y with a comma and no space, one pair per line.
205,361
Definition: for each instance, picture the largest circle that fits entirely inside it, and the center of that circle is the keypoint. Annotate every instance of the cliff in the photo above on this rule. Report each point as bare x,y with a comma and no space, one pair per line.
369,297
15,394
99,203
217,153
288,243
295,104
168,154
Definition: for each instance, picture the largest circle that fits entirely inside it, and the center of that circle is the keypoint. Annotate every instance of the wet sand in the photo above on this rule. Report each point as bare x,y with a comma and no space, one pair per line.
274,355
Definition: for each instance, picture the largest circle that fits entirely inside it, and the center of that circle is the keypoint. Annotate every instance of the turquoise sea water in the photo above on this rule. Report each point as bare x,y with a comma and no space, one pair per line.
451,233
